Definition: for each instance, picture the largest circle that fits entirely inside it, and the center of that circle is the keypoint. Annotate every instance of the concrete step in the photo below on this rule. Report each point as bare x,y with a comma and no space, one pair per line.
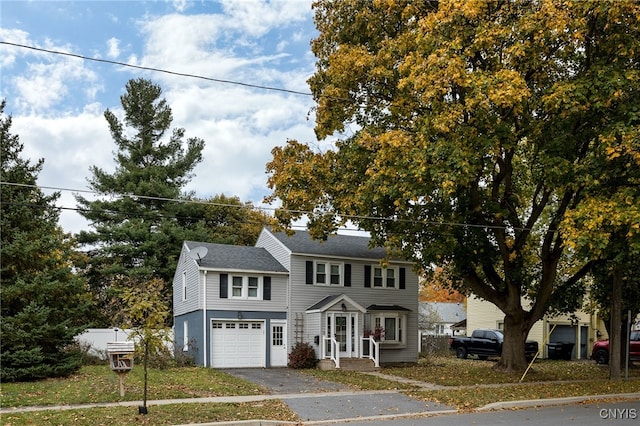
349,364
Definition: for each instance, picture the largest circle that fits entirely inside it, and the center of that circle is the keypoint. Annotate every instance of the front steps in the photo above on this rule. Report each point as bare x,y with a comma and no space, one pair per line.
349,364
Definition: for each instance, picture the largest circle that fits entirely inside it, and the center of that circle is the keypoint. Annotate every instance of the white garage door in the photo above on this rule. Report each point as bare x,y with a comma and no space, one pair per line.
237,344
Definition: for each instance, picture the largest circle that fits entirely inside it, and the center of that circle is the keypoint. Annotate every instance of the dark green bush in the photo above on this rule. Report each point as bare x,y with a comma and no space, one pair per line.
302,356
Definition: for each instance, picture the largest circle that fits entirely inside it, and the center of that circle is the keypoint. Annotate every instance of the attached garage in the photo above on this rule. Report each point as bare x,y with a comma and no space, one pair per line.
236,344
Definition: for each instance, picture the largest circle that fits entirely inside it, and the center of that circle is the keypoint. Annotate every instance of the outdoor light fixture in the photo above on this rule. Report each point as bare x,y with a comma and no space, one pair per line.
239,315
344,308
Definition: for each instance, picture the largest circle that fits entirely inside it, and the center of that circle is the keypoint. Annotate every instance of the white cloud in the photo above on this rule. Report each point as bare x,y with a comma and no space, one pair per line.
9,53
255,18
251,42
180,5
69,145
113,47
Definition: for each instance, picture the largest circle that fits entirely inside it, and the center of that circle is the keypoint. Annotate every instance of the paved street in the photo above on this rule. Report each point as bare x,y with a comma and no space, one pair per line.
623,413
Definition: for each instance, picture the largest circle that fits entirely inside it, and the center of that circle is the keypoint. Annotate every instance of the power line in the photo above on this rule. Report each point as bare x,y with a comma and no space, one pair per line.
263,208
181,74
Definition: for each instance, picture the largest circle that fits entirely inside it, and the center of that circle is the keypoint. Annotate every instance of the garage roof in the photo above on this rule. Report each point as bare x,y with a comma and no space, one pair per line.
225,256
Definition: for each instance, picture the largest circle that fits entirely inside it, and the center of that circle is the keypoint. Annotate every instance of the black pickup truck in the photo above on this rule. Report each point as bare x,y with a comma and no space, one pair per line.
485,343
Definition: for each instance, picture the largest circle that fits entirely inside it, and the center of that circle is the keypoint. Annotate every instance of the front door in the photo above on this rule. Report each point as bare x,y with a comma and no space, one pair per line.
342,327
278,351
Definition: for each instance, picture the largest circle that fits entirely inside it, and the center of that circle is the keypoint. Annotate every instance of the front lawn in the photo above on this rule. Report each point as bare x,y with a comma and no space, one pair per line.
99,384
158,415
451,371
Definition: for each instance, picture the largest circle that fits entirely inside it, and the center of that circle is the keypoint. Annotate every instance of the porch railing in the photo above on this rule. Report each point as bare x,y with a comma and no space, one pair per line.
333,352
373,352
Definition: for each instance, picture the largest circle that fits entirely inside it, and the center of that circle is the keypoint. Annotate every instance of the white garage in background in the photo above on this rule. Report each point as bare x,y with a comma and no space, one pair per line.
237,344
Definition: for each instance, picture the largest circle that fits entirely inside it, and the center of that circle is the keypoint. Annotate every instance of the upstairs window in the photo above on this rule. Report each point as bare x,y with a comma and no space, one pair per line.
244,287
327,273
384,277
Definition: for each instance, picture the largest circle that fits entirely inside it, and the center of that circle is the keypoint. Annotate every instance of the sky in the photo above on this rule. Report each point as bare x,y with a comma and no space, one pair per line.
57,102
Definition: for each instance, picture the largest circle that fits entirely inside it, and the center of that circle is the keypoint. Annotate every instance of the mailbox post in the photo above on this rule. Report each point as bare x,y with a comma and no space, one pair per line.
120,360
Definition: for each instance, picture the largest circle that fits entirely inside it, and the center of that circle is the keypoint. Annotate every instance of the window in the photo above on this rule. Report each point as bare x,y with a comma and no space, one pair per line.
384,277
335,275
253,287
391,277
184,285
321,274
328,273
185,336
236,289
243,287
393,324
377,277
243,325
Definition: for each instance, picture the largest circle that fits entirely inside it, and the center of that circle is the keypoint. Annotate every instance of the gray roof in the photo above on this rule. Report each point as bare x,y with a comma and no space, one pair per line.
226,256
324,302
448,312
336,245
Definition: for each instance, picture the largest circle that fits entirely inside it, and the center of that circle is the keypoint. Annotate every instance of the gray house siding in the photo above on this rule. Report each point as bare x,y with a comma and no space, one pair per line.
278,300
304,295
275,248
283,261
195,335
193,300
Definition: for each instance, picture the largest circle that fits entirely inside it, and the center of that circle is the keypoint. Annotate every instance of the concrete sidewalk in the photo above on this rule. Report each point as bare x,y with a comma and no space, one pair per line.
322,402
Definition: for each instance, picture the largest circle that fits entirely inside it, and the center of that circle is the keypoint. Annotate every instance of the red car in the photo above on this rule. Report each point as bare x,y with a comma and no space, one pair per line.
600,351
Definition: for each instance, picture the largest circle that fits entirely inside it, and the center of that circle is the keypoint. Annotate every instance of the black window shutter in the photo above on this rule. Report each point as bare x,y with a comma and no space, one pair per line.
367,275
309,272
224,288
266,288
347,275
402,278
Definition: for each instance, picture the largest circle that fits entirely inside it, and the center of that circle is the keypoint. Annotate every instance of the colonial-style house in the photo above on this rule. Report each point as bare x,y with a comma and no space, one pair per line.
238,306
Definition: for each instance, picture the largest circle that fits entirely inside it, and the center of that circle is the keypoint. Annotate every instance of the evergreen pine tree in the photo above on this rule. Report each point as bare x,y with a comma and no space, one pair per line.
138,228
44,304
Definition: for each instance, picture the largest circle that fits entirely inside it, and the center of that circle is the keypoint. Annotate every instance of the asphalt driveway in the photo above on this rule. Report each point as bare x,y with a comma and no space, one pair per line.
280,381
316,400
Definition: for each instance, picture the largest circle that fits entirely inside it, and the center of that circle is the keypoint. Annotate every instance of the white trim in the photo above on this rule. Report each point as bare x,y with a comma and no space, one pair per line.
339,299
204,319
243,271
244,289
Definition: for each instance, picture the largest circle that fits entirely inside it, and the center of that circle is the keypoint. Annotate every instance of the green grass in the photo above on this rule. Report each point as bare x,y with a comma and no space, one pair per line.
469,398
465,379
99,384
157,415
450,371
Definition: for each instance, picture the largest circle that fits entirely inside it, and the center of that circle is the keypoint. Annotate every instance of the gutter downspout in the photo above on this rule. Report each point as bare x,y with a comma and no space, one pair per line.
204,319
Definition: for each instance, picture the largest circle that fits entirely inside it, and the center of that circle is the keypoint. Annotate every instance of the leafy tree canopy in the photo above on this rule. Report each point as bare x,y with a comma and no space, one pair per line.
480,127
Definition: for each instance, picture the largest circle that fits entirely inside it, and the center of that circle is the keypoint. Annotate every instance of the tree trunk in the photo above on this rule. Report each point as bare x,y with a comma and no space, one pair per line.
146,356
515,334
616,320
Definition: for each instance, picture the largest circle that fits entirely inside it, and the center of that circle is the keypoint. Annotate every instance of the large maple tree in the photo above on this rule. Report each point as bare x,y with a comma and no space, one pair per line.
478,127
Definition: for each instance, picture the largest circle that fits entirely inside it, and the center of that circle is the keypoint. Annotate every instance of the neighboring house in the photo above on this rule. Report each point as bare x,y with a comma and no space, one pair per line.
238,306
581,329
438,318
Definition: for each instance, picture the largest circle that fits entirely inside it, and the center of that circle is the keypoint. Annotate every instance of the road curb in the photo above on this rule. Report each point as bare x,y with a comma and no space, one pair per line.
555,401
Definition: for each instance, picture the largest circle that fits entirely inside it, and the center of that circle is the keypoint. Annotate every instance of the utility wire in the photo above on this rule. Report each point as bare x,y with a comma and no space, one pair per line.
251,206
124,64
